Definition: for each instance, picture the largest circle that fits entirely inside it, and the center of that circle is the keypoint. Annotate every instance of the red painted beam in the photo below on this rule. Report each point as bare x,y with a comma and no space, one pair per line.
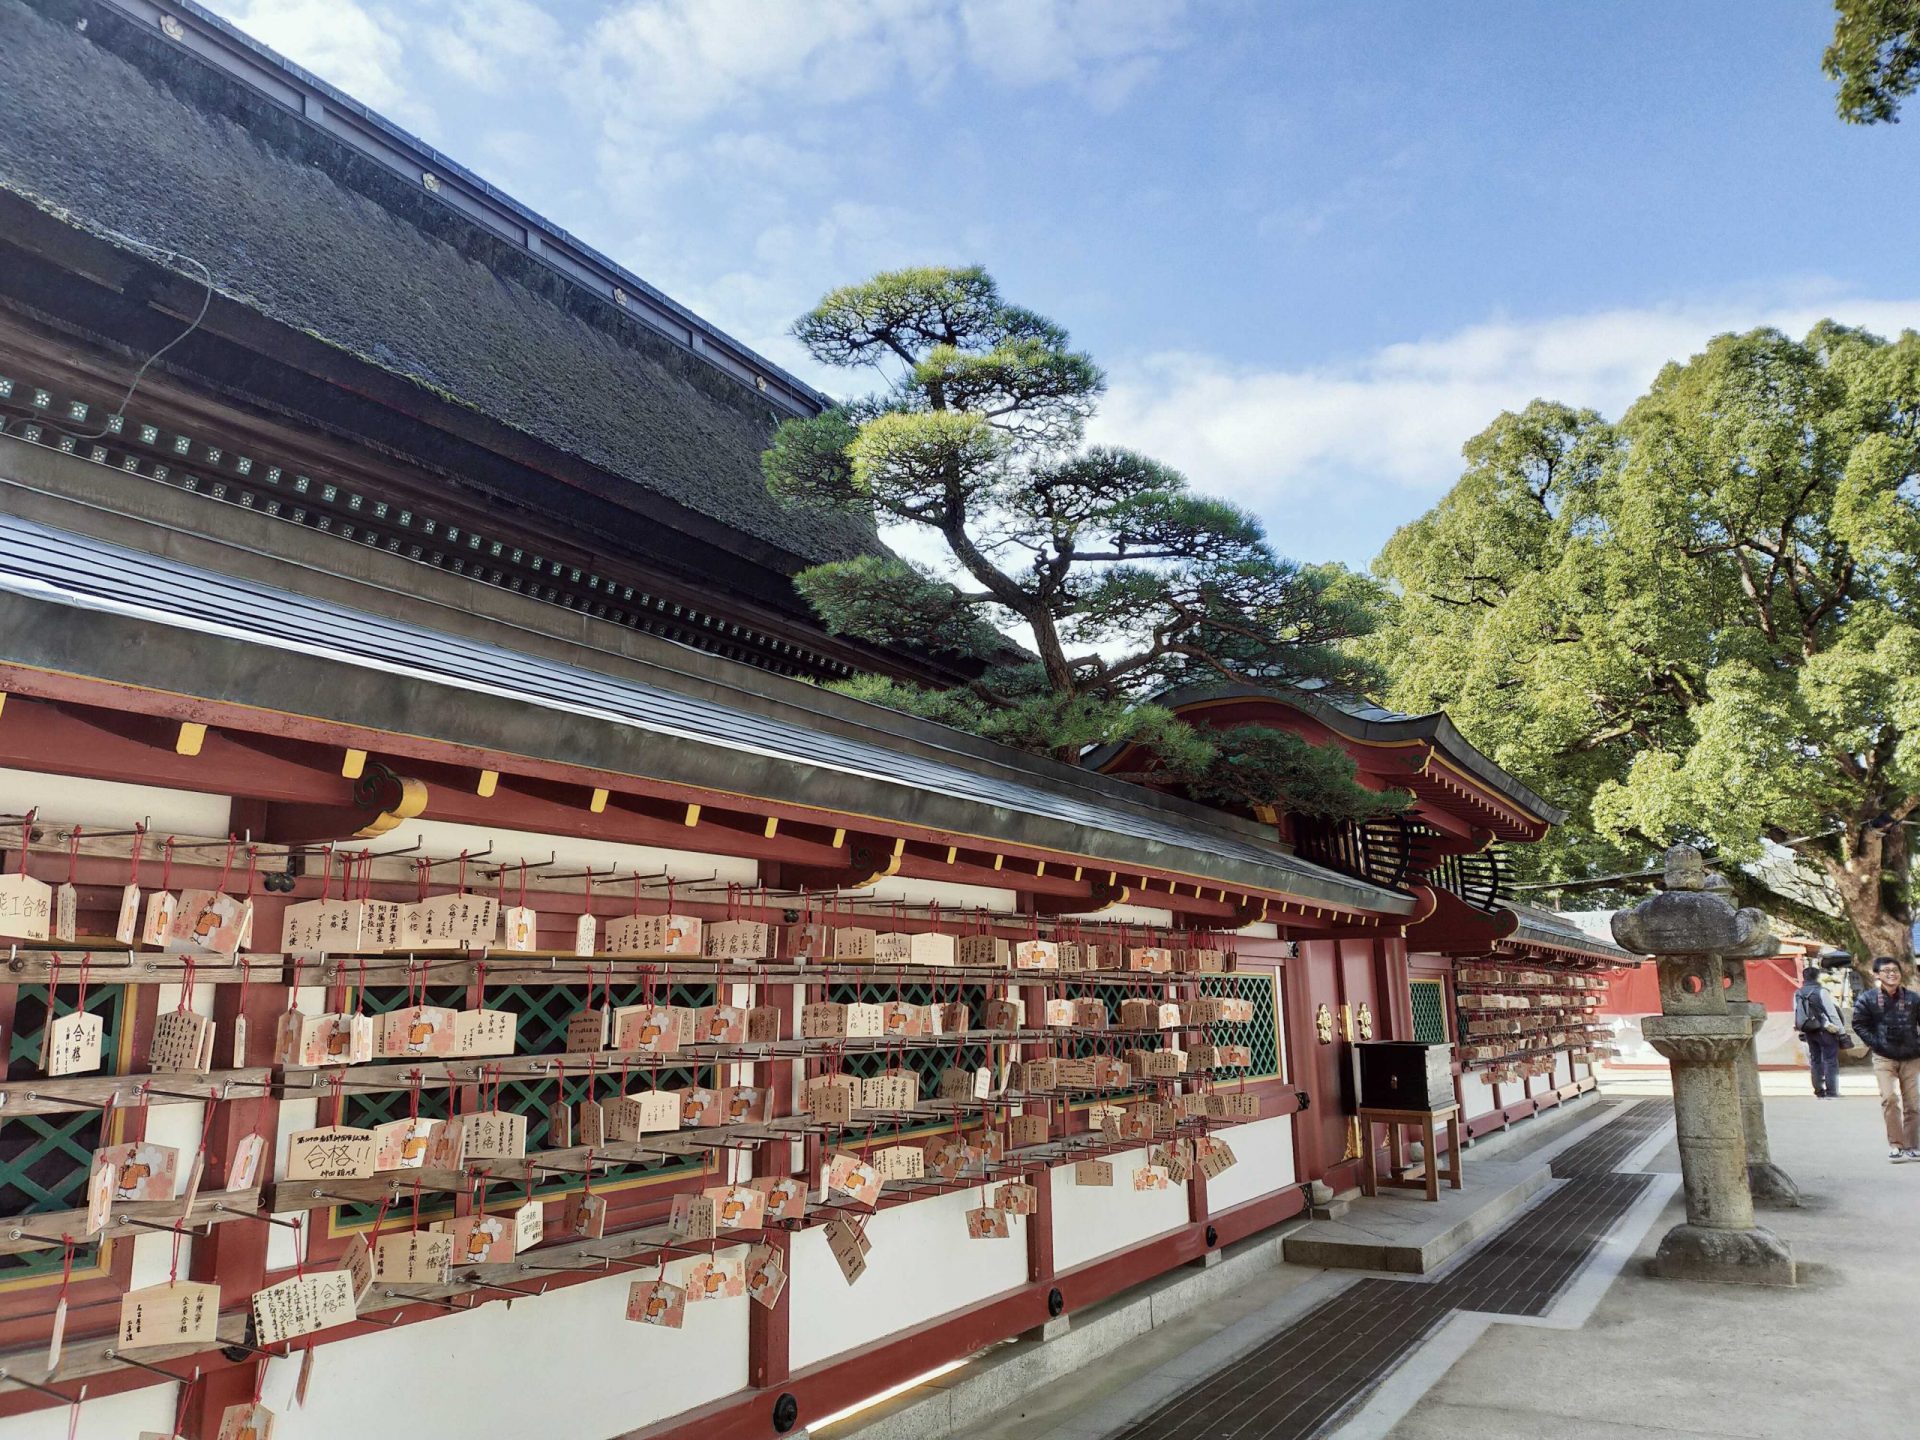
61,740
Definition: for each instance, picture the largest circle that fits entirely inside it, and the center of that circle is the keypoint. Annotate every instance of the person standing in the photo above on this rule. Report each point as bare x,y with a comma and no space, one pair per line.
1817,1019
1887,1020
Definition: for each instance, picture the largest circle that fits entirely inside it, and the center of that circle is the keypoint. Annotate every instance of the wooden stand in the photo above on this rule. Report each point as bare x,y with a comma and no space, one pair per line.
1427,1122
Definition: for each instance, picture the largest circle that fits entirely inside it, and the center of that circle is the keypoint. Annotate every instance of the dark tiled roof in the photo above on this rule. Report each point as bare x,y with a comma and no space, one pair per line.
1552,930
892,775
1363,719
118,130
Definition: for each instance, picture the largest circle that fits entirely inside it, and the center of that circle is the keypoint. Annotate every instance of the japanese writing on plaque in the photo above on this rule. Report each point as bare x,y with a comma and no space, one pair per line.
26,907
302,1305
74,1043
183,1313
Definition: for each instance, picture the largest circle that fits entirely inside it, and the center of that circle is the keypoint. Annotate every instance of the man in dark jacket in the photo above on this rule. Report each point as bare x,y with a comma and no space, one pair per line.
1817,1019
1887,1020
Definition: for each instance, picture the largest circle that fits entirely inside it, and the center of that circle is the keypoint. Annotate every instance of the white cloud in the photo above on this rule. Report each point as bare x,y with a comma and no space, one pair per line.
1102,48
360,50
675,62
492,44
1375,438
678,61
794,260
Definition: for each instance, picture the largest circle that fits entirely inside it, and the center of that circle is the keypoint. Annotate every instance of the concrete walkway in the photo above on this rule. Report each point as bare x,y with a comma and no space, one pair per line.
1106,1395
1660,1358
1552,1326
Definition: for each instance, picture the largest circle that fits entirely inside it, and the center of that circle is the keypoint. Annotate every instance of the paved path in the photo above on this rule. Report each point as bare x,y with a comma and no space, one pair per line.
1302,1380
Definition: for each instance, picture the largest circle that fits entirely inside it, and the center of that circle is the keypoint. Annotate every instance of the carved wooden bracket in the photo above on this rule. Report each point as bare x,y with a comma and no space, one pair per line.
1100,896
869,857
379,801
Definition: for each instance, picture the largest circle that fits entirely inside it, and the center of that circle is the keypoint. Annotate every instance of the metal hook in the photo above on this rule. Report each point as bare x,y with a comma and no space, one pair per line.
507,865
179,1226
469,857
383,854
119,1359
60,1395
225,1209
618,879
422,1300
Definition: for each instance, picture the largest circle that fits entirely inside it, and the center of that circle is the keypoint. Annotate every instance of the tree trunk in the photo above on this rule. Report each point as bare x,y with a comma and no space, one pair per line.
1859,879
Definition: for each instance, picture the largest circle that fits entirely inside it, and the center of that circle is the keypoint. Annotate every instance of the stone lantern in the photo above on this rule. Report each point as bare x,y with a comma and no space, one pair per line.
1770,1185
1690,929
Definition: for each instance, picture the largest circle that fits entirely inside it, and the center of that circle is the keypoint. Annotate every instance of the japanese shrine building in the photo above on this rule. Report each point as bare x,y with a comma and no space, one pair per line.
435,537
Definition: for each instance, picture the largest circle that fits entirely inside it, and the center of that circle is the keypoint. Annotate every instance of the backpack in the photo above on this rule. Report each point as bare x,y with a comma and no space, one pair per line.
1808,1013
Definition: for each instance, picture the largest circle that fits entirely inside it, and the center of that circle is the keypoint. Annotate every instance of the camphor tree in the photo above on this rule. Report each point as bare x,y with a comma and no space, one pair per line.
1875,55
1122,578
1700,623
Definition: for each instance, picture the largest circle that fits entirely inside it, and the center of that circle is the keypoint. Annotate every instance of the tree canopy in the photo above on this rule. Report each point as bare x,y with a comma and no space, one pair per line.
1698,623
1121,577
1875,55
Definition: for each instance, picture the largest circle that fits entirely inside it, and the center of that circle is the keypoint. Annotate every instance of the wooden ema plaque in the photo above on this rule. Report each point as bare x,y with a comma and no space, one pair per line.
655,1302
302,1305
848,1247
26,908
180,1313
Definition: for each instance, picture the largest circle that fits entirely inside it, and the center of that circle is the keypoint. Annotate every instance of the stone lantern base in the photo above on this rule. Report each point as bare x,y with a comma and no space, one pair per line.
1729,1257
1772,1187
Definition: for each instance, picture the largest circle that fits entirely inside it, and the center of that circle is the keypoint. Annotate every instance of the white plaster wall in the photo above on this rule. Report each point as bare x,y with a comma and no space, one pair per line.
105,805
110,1417
570,853
1129,915
1264,1150
1476,1095
568,1365
955,901
1095,1220
922,1265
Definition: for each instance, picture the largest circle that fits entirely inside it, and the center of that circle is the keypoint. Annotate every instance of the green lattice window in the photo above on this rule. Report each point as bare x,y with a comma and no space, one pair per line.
1429,1011
44,1159
544,1011
926,1061
1261,1035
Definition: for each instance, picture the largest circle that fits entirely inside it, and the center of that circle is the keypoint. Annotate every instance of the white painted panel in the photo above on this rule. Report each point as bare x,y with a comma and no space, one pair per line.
1095,1220
109,1417
1130,915
953,899
922,1265
569,853
1264,1149
1476,1095
565,1366
105,805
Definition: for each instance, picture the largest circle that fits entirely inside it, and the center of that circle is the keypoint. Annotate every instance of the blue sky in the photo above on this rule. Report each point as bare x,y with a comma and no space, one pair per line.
1316,244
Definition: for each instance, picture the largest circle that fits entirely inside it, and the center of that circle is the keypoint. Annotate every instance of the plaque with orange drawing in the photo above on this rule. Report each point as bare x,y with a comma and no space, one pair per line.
737,1207
717,1277
987,1222
655,1302
854,1178
145,1171
481,1239
418,1030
